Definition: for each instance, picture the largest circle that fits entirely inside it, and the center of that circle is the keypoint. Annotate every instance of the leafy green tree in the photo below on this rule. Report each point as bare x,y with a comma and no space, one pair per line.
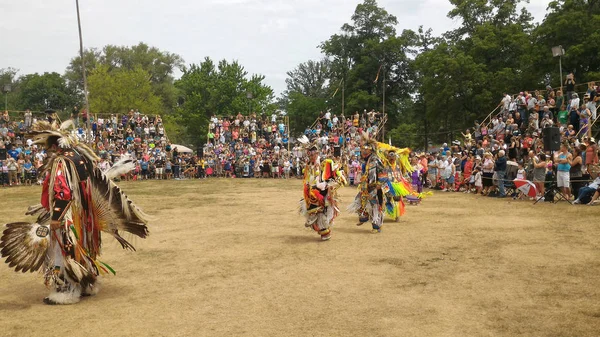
159,65
367,51
307,93
223,89
461,76
118,91
9,76
49,90
574,25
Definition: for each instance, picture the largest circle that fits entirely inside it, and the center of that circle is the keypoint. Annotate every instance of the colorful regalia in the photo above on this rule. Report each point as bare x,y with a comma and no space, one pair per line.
78,203
397,165
320,204
382,185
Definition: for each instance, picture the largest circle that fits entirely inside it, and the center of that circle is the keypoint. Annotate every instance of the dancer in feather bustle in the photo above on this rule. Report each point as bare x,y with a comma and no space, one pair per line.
382,186
321,181
78,202
396,163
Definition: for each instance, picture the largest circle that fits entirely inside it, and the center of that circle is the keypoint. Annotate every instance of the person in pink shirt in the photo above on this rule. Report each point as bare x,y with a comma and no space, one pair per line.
424,169
467,172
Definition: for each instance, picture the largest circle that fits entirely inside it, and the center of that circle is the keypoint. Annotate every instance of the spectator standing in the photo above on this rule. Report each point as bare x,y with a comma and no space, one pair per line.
591,153
576,171
500,170
563,169
570,85
488,173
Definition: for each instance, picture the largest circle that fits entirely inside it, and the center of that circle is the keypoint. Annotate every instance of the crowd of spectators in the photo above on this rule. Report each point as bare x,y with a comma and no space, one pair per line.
259,146
511,146
237,146
139,135
492,154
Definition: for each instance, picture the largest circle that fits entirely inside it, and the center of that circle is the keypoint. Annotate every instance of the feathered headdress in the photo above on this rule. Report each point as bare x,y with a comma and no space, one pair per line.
368,141
401,155
49,134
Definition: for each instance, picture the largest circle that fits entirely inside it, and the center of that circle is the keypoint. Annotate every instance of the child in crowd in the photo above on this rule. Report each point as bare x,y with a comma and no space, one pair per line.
477,180
521,175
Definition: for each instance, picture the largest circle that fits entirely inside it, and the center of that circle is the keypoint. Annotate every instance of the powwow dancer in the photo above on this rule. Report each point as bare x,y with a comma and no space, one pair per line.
369,203
321,181
395,162
78,202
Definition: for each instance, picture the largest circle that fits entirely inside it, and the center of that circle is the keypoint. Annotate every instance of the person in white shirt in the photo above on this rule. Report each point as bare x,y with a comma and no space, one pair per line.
505,103
574,105
286,168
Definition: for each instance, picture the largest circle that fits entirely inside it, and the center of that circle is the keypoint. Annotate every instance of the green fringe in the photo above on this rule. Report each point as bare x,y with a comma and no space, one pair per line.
108,267
74,232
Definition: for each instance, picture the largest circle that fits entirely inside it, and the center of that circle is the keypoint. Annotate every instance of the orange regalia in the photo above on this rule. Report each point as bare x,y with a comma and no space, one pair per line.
79,202
320,204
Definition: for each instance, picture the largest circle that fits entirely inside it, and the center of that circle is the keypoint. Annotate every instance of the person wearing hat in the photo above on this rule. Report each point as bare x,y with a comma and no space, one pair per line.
591,153
50,115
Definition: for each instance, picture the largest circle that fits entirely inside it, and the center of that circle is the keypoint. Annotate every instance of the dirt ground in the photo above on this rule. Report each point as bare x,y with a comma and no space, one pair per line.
232,258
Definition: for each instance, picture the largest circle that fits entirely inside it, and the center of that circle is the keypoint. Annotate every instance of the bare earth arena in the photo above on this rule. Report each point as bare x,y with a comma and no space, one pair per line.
233,258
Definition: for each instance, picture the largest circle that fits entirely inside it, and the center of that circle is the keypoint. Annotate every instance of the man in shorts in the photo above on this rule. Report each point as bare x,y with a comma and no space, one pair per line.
562,170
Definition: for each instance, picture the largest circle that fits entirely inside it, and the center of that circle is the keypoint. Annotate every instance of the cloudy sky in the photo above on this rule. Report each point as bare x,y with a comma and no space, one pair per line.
269,37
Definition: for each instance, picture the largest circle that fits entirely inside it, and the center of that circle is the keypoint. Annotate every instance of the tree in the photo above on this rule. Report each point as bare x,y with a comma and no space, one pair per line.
366,52
310,78
462,75
574,25
49,90
159,65
9,76
307,92
120,90
223,90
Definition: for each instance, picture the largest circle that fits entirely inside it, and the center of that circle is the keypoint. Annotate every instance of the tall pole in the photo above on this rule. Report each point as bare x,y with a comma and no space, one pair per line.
383,112
343,96
85,89
561,78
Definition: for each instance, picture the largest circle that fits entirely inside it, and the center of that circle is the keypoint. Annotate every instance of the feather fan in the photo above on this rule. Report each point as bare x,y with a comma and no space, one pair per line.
25,245
114,211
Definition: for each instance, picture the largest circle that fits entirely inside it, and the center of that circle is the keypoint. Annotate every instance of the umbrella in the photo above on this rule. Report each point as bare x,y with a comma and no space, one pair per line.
181,148
526,186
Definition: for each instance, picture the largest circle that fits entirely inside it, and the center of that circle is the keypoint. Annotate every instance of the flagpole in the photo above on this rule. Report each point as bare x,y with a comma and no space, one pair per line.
343,95
383,112
85,90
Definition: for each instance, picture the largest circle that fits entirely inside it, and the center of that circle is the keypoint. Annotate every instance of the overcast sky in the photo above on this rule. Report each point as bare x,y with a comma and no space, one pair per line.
268,37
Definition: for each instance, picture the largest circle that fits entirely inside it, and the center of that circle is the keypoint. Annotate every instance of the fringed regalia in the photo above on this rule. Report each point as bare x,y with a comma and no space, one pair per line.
320,203
369,202
78,203
396,163
382,185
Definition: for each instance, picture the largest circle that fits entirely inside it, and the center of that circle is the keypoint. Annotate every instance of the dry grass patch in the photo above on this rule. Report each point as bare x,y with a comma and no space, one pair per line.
232,258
